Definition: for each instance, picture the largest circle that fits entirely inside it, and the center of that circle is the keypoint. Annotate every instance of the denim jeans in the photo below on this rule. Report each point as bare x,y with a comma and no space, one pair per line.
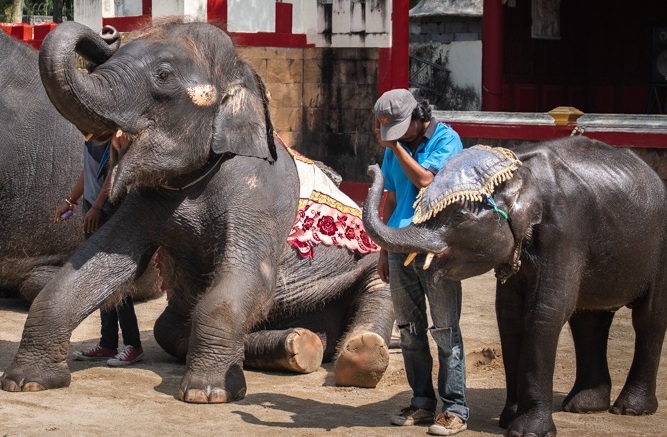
411,286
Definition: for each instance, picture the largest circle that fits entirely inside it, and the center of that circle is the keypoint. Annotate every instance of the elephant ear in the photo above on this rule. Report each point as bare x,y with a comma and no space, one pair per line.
242,125
521,198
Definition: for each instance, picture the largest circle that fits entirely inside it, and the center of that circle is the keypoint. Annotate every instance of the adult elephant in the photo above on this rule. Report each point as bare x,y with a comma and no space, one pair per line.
41,155
575,230
204,178
38,164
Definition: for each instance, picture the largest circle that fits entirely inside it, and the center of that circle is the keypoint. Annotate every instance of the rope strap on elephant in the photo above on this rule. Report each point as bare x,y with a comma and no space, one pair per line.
470,175
325,215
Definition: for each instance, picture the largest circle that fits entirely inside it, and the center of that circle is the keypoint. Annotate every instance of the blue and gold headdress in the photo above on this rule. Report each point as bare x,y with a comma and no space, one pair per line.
470,175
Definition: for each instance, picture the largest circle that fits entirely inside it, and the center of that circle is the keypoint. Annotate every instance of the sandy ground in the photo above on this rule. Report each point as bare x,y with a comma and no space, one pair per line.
140,401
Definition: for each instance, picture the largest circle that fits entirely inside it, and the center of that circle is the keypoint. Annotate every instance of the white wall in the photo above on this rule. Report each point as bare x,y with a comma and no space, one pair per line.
127,8
194,10
354,23
251,15
465,63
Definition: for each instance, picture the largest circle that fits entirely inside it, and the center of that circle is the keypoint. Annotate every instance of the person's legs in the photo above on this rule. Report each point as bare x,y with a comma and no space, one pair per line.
129,326
410,310
108,346
132,352
109,330
444,299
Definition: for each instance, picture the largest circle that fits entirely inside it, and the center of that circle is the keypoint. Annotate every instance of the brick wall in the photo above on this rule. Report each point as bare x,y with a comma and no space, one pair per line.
322,103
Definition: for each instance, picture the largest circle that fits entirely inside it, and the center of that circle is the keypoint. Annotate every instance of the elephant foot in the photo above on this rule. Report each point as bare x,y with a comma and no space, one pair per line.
362,361
535,423
29,378
304,351
592,400
634,403
507,415
212,389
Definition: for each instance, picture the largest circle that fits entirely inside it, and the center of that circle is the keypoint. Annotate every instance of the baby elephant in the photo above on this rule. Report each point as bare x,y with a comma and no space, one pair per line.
575,230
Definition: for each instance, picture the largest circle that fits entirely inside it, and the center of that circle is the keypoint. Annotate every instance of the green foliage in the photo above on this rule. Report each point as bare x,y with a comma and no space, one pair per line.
35,7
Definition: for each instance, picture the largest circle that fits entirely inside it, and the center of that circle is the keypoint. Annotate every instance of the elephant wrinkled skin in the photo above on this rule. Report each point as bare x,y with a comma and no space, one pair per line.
36,172
585,235
41,155
203,178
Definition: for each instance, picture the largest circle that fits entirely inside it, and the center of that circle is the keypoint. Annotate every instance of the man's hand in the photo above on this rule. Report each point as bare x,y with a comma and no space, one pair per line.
383,266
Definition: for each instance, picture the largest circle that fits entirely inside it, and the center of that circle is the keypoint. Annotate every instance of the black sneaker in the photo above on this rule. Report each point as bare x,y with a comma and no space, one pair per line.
412,416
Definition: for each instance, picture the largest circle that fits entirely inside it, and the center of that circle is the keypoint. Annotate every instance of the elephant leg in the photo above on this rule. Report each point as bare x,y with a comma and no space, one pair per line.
511,329
592,386
294,350
239,296
548,305
42,270
74,293
638,394
363,353
172,333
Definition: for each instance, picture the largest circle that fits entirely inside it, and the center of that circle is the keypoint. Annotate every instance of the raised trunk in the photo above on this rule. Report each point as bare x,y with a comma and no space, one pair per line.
79,97
403,240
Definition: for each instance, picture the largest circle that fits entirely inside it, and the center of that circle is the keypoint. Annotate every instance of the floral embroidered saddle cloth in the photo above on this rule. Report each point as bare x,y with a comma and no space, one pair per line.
326,215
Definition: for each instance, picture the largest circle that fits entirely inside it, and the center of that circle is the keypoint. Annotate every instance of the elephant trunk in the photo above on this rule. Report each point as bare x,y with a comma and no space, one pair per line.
79,97
409,239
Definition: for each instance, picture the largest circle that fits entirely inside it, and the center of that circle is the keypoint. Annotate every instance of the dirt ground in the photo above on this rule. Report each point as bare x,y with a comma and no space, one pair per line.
140,401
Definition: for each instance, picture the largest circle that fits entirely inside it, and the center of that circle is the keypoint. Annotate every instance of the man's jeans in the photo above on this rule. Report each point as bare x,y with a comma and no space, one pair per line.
410,287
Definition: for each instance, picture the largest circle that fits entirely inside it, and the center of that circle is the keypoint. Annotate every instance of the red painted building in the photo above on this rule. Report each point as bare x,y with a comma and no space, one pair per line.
602,60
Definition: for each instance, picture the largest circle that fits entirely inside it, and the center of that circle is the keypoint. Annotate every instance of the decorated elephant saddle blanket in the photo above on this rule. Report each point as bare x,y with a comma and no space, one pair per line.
470,175
325,214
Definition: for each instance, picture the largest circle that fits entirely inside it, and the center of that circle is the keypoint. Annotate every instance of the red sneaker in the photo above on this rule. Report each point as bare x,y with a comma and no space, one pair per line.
128,355
97,353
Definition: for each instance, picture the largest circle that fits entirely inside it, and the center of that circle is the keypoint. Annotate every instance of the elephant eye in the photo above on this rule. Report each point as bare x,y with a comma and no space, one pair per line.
163,73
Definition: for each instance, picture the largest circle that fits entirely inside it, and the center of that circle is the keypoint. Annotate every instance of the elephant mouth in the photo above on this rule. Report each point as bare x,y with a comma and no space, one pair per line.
121,143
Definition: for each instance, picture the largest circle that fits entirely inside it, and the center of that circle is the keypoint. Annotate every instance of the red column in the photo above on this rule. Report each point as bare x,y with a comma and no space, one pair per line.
283,17
394,62
492,55
400,43
147,8
217,13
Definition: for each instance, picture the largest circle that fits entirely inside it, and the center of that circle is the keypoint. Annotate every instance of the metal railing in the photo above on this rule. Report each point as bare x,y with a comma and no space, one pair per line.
429,78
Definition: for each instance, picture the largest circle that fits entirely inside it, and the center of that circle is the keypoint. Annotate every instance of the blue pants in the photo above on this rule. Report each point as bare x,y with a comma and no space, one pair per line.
411,286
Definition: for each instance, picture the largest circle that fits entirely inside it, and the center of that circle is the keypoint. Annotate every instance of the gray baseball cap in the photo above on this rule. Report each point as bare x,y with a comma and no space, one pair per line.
394,112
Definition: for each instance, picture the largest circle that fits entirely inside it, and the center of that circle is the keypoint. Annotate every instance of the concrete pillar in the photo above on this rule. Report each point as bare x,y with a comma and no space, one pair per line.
195,10
90,13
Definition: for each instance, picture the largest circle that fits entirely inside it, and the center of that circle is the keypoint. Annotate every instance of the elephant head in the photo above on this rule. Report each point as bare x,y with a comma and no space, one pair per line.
475,216
177,93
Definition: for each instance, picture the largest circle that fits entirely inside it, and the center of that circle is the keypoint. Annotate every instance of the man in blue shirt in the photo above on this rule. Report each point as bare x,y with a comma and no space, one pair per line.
416,147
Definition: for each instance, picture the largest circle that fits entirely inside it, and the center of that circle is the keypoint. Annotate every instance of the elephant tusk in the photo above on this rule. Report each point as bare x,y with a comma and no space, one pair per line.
410,258
427,261
119,133
88,137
